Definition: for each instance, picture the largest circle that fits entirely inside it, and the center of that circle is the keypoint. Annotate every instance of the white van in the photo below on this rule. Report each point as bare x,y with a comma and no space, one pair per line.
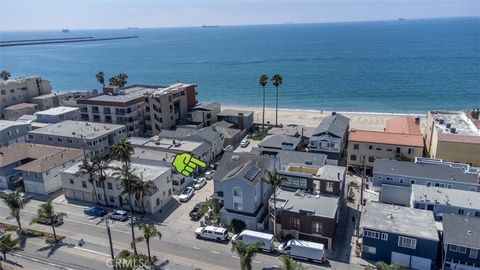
303,250
251,237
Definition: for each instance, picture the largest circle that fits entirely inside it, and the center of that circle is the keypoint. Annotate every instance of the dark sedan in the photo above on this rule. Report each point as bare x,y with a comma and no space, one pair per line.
95,211
195,213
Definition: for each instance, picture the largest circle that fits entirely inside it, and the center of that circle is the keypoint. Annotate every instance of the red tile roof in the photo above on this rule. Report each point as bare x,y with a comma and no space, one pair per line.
403,124
415,140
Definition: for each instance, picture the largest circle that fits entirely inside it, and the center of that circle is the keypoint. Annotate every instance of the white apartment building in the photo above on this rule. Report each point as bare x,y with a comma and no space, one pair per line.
58,114
22,90
78,188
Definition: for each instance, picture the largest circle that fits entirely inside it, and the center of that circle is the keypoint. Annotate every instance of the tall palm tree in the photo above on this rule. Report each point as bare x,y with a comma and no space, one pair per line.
88,168
277,81
46,212
149,231
7,245
122,79
113,81
263,80
100,77
16,202
246,252
275,180
122,151
5,75
141,187
100,167
290,264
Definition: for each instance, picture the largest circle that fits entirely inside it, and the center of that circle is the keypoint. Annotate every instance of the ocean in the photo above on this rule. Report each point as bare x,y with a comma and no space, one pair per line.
391,66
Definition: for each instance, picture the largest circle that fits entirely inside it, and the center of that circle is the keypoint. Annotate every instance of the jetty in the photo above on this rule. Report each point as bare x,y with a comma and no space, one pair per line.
28,42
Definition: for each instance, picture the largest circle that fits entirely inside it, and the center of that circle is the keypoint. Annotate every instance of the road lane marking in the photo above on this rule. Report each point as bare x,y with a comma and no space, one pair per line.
33,259
236,257
215,252
257,262
52,264
197,248
92,251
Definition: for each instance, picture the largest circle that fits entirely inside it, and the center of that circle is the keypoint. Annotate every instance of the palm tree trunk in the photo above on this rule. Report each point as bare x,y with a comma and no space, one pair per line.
263,117
131,214
148,249
94,189
54,233
274,211
105,194
4,257
276,110
18,222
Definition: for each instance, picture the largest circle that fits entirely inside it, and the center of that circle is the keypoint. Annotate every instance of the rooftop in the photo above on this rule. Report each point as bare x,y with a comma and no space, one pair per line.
57,110
403,124
336,124
277,141
48,96
325,172
207,106
170,145
293,131
247,166
21,106
4,124
44,157
27,118
461,230
287,157
400,220
300,201
446,196
171,89
87,129
428,169
230,112
20,79
449,122
126,95
366,136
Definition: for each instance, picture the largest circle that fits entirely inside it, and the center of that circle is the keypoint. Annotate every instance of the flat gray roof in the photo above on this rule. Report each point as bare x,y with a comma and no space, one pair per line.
332,173
88,129
461,230
446,196
130,94
4,124
230,112
277,140
288,157
297,201
400,220
57,110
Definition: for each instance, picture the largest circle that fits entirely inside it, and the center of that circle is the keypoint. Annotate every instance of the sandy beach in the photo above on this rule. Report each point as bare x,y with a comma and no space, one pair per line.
311,118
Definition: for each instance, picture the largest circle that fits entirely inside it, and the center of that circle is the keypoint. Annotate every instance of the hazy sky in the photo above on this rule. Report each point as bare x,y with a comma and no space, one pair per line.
89,14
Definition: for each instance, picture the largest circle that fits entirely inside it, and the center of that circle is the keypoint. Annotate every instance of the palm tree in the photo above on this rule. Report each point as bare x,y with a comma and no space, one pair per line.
16,202
149,231
277,81
113,81
100,167
263,80
290,264
88,168
122,151
122,79
101,77
275,180
46,212
5,75
7,245
246,252
140,188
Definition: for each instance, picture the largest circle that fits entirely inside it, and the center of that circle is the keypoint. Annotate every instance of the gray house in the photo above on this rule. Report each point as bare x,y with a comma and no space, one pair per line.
241,188
330,138
13,132
399,235
271,145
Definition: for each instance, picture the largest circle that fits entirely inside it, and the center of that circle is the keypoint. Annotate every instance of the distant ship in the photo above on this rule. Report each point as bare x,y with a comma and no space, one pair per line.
209,26
65,30
402,19
130,28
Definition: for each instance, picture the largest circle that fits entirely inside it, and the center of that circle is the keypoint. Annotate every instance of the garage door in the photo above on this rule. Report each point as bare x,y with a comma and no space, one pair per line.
400,259
420,263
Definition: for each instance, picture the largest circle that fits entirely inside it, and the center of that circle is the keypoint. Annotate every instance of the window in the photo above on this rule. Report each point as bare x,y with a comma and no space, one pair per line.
353,157
109,185
449,186
237,199
157,201
329,187
389,178
473,253
71,181
411,151
317,227
378,149
384,236
368,249
472,189
371,159
84,184
401,180
477,214
429,183
458,249
407,242
112,199
295,223
237,192
412,182
370,147
295,182
355,146
371,234
461,211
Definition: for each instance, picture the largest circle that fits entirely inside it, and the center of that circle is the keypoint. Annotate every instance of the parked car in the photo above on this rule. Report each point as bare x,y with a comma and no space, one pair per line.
303,250
57,221
119,215
244,143
209,174
2,234
212,233
195,213
199,183
229,148
95,211
251,237
186,194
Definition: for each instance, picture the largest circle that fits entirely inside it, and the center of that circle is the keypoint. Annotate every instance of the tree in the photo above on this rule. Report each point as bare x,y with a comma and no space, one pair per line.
16,202
100,77
275,180
5,75
100,167
140,188
263,80
122,79
277,81
46,212
237,226
290,264
7,245
209,207
113,81
88,168
122,151
246,252
148,231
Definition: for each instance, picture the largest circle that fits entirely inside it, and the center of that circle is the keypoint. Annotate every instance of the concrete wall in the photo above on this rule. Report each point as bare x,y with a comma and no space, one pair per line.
459,152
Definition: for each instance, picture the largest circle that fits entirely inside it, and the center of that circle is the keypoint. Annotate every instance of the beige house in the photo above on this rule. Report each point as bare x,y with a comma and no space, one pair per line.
16,111
453,136
22,90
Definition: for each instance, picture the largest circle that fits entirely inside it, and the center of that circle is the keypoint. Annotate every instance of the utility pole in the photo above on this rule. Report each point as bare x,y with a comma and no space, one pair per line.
107,223
363,180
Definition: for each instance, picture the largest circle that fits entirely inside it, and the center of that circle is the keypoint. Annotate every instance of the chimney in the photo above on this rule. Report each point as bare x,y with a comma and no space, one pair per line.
417,120
241,120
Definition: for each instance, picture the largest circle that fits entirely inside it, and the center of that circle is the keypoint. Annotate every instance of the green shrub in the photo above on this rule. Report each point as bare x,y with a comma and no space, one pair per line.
237,226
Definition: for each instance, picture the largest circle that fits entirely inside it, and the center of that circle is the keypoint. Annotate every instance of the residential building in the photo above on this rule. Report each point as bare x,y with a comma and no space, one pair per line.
204,113
330,138
37,166
306,216
242,120
96,138
298,131
453,136
50,100
241,189
285,158
78,188
13,132
427,172
12,113
404,125
231,135
167,107
364,147
272,144
461,243
21,90
58,114
399,235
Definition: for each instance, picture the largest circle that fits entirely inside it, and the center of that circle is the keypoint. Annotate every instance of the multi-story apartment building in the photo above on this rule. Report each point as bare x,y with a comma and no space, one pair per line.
22,90
453,136
242,120
204,113
78,188
58,114
96,138
167,107
13,132
16,111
